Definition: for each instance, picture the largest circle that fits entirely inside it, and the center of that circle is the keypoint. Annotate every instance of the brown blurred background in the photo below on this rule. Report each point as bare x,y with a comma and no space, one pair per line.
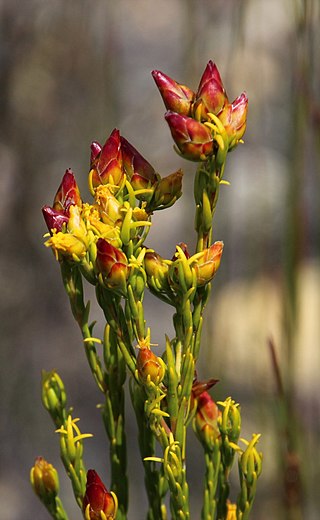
71,71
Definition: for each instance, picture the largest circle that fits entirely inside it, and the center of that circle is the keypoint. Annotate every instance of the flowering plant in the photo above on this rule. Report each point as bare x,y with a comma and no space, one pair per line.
104,244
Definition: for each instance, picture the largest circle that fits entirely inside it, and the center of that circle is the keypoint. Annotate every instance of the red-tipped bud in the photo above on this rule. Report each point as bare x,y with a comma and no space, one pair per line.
113,265
207,263
106,165
193,139
68,193
206,419
176,97
97,499
167,191
234,119
138,170
150,367
211,95
54,218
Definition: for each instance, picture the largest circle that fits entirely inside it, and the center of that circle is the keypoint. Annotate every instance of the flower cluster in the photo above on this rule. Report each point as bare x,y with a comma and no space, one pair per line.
126,191
104,242
195,118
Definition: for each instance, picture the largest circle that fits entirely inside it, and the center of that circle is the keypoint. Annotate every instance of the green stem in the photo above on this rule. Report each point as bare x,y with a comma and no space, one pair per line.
155,483
212,462
56,509
114,419
72,280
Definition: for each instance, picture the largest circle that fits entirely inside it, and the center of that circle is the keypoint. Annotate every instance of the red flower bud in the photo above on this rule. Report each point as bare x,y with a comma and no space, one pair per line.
97,499
113,265
54,218
106,163
211,95
176,97
138,170
206,419
150,367
234,119
193,139
68,194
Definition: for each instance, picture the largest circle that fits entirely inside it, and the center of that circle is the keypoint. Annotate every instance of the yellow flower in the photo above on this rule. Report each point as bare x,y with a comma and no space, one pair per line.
66,245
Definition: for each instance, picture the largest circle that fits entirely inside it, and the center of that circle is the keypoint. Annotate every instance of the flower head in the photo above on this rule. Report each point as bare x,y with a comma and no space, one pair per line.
190,115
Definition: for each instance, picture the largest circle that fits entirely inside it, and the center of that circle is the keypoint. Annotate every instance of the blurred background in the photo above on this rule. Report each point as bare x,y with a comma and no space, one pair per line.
71,71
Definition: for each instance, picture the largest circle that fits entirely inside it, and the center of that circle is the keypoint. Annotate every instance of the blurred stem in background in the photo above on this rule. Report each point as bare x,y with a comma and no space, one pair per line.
297,244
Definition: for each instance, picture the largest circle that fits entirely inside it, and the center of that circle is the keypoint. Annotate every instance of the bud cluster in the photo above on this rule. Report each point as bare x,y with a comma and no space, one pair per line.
193,117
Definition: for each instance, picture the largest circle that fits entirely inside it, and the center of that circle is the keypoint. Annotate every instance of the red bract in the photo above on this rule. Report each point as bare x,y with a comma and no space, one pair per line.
211,95
176,97
95,150
68,193
112,264
54,218
193,139
199,387
138,170
98,498
106,162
